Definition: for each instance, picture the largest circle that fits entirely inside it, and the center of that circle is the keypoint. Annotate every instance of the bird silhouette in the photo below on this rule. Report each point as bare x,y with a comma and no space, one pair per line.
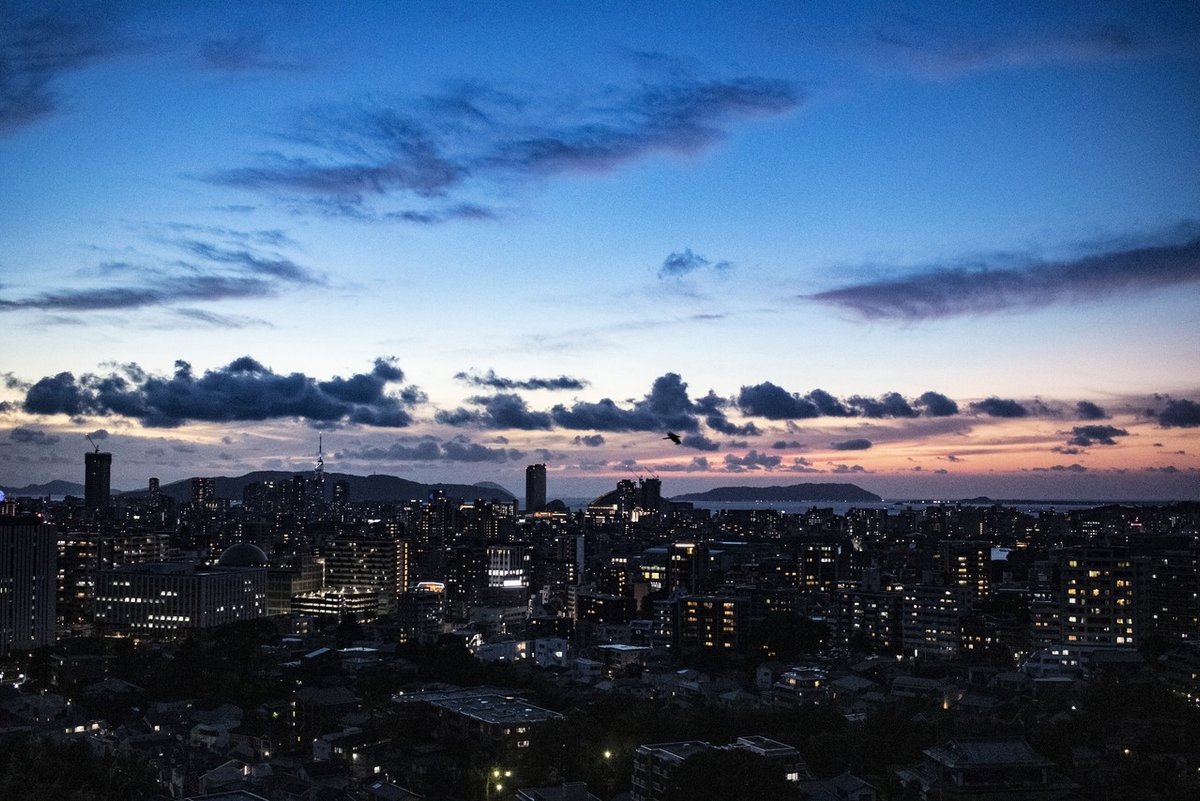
671,435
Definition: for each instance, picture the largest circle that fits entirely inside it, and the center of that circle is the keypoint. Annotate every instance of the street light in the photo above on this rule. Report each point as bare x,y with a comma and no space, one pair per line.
494,777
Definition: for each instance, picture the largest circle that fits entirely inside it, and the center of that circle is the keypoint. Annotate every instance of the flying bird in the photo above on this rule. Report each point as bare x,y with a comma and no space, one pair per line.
671,435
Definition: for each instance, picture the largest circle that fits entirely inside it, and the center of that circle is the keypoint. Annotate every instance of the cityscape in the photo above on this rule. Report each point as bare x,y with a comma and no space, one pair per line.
314,638
538,401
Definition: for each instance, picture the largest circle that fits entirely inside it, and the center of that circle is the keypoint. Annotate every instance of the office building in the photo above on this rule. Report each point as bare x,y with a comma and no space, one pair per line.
171,597
28,584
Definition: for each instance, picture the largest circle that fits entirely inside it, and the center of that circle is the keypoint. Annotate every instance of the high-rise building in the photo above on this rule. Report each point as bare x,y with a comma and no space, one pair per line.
932,620
97,481
28,583
1098,605
377,562
203,491
968,563
535,487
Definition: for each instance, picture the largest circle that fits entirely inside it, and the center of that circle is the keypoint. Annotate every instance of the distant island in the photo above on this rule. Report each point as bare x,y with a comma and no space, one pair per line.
380,488
842,493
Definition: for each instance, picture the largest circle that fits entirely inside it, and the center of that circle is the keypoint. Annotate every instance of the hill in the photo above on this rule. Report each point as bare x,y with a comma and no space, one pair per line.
377,487
843,493
56,488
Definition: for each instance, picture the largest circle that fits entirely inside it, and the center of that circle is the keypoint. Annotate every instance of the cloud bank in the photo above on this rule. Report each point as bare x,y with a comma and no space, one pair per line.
243,390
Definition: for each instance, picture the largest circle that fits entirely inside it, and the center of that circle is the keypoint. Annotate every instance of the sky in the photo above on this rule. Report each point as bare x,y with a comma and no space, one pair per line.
937,250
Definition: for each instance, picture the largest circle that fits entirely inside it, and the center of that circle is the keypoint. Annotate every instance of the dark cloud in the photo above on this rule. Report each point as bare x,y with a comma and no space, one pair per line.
1059,468
786,444
490,379
849,468
935,404
99,434
999,407
502,410
35,53
892,404
590,440
31,436
1084,436
851,445
665,408
712,407
775,403
936,292
753,460
680,264
698,464
242,390
1067,450
699,442
827,405
450,144
1086,410
1180,414
243,54
11,381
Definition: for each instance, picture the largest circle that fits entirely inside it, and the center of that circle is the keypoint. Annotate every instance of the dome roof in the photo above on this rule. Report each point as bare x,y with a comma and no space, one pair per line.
243,554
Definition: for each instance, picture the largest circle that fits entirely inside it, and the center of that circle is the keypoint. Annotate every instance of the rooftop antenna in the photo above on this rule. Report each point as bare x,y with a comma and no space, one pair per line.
94,445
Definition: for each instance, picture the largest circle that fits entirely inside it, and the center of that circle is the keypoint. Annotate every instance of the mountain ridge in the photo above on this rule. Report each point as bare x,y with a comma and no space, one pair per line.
376,487
785,493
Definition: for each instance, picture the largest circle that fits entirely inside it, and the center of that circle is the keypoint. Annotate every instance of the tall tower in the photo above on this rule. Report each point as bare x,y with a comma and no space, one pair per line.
535,487
97,481
319,471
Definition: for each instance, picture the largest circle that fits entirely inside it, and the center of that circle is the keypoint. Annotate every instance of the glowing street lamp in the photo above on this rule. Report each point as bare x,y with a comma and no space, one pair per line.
494,778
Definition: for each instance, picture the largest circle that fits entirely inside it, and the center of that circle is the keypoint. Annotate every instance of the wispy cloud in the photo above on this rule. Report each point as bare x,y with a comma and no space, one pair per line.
35,53
493,381
678,265
939,48
207,272
939,292
440,149
247,53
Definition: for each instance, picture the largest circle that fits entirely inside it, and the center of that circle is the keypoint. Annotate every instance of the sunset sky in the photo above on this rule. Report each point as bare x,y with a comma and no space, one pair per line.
930,249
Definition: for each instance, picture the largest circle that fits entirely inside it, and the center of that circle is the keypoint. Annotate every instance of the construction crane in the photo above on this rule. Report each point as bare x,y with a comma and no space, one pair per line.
93,442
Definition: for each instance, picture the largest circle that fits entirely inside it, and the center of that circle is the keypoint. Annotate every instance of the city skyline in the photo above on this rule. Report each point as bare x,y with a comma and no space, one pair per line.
935,252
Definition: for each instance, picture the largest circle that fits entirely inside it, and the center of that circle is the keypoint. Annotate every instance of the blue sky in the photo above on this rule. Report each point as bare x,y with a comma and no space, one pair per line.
565,229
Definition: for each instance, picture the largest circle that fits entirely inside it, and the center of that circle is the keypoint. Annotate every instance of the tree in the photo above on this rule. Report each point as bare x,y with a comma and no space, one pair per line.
787,635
